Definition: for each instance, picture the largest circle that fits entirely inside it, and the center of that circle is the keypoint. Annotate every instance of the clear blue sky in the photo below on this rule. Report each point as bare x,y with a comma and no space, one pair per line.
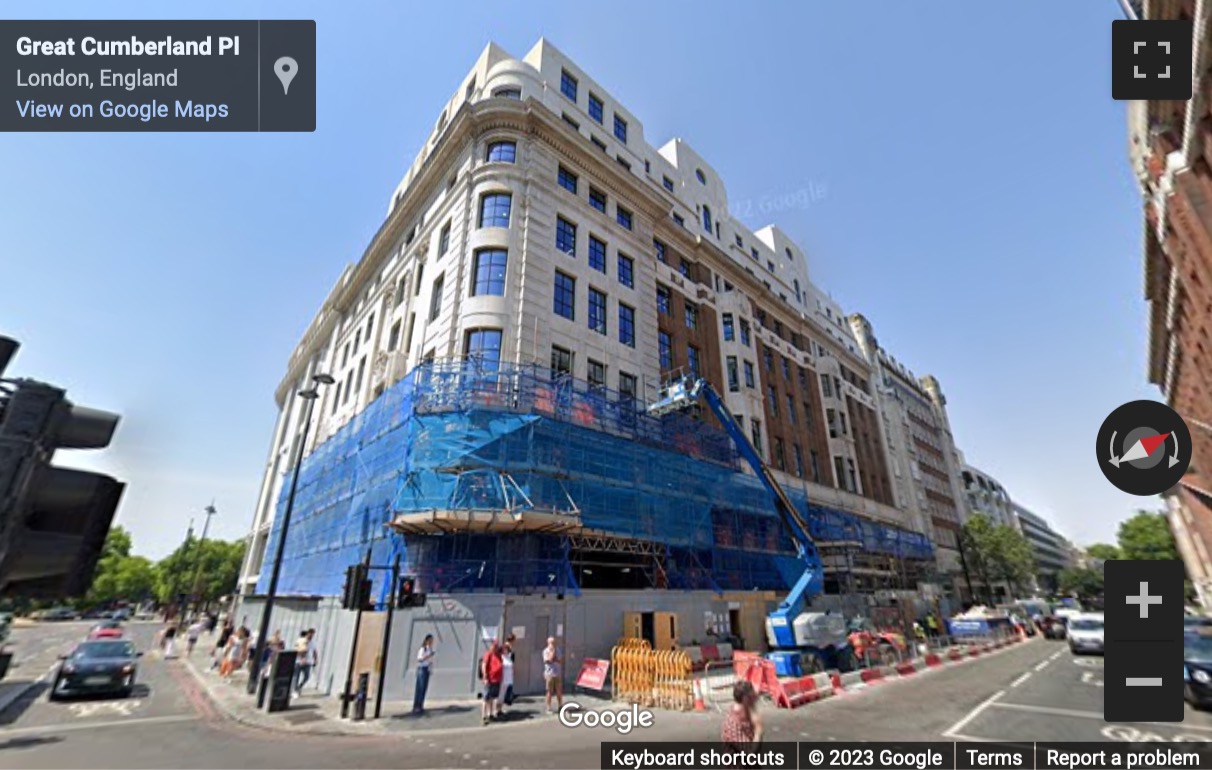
973,198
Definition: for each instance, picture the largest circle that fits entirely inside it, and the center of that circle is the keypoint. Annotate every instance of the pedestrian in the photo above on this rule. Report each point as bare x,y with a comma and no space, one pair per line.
191,637
742,725
552,677
425,657
212,620
220,648
491,672
507,674
304,655
237,653
170,641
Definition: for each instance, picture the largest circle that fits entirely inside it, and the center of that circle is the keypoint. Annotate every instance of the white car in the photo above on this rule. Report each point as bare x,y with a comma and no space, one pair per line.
1085,632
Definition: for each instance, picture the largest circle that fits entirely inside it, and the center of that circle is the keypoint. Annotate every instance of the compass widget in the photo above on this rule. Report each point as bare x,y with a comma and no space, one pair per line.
1144,448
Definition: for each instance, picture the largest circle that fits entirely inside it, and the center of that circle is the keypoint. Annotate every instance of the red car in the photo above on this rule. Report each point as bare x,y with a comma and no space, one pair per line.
108,629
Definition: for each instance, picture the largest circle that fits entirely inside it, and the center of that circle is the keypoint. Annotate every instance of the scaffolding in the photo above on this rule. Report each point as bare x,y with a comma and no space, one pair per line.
486,476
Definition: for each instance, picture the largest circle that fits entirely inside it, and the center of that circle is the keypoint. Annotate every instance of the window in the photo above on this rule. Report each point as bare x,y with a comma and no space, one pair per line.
597,199
561,361
753,253
780,460
508,93
627,325
791,410
740,243
623,216
769,266
416,290
666,350
565,296
337,400
839,471
626,271
623,162
660,250
680,220
744,332
772,399
647,166
755,434
595,372
842,420
568,85
597,254
361,372
749,380
768,359
566,236
692,360
798,455
393,338
663,300
789,257
668,183
598,143
707,218
597,311
620,129
568,119
490,273
444,240
826,386
734,383
786,369
401,292
502,152
595,108
698,173
568,180
815,465
853,478
831,420
692,316
412,323
627,385
798,297
684,268
484,346
370,325
435,297
729,331
494,210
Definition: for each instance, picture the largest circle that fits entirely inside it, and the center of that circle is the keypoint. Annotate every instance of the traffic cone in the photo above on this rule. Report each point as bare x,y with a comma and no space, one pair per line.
698,697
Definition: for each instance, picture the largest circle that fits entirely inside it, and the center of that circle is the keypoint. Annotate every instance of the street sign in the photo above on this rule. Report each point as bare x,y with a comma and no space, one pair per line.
593,673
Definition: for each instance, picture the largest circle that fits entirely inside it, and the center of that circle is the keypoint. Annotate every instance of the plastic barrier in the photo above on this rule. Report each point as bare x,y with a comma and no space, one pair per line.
719,677
633,672
672,680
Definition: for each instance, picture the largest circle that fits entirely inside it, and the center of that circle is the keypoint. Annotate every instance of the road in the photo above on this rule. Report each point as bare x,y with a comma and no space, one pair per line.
1033,691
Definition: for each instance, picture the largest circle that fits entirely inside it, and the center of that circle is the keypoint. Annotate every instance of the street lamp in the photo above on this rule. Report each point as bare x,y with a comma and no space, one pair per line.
310,395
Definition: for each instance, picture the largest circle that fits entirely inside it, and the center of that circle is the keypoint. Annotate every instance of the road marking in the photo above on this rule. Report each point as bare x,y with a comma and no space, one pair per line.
85,710
974,713
1084,715
1042,665
51,729
1088,678
1021,679
1086,662
1056,655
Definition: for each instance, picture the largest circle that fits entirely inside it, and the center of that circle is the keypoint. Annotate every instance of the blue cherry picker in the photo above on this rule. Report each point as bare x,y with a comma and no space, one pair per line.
801,642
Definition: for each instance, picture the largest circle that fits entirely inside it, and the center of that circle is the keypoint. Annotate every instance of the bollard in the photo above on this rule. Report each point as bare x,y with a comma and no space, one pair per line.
360,697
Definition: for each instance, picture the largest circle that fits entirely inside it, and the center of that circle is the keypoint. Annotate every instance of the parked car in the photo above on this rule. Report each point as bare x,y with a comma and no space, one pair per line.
1196,622
122,613
1085,632
101,666
1052,627
60,613
1197,669
106,629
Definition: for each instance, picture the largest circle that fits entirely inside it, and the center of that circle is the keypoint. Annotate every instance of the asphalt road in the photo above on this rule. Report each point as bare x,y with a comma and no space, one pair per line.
1034,691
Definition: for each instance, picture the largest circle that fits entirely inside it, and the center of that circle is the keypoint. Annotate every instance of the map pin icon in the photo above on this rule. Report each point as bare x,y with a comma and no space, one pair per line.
286,68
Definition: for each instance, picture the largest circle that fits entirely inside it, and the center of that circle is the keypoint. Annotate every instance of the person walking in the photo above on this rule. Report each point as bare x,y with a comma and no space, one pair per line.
220,648
170,642
305,649
237,653
552,677
742,725
425,657
507,661
491,673
191,637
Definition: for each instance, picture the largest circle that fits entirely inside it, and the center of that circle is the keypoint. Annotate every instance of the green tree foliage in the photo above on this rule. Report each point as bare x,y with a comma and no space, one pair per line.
1084,582
1146,536
1104,551
122,576
997,553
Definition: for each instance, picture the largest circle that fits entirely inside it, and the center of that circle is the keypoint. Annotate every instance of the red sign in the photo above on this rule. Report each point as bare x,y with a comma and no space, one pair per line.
593,673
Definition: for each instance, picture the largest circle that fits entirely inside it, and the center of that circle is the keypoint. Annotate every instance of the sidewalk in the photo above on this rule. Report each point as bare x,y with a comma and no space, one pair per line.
318,714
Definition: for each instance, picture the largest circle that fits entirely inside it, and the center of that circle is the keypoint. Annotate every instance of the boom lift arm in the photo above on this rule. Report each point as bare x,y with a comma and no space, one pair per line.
686,392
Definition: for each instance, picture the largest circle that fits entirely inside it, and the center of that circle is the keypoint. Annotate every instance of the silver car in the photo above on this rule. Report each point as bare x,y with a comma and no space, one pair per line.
1085,633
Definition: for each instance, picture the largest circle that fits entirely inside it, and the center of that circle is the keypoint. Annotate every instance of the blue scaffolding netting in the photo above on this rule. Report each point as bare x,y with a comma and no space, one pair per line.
465,436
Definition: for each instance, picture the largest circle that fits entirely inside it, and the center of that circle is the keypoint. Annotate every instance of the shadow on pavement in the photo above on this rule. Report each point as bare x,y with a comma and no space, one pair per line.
18,707
435,712
29,742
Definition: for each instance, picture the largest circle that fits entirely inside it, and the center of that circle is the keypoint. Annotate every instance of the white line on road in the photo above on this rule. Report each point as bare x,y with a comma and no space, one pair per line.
96,725
1056,655
974,713
1026,675
1042,665
1080,715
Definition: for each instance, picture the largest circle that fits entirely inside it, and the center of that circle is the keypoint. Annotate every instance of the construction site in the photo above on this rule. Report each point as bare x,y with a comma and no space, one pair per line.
533,505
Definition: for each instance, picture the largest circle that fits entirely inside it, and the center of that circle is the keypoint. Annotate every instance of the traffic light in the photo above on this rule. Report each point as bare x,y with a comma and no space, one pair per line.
408,595
53,521
356,594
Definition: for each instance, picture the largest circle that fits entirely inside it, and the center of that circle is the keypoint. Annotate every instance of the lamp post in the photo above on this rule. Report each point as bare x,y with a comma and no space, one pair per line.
210,511
310,395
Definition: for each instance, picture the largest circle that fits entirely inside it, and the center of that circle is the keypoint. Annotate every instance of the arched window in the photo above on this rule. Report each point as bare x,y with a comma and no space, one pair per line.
698,173
707,218
508,93
502,152
494,209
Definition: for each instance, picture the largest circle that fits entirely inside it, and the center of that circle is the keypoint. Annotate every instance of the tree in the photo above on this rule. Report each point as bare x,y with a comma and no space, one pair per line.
1085,582
976,537
1012,558
220,570
1103,551
113,573
1146,536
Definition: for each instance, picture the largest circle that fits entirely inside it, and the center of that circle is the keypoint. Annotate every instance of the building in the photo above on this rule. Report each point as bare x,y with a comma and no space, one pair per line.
1168,147
923,458
985,494
541,270
1051,550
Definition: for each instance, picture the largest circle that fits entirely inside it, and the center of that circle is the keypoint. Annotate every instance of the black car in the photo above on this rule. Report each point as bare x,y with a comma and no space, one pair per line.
103,666
1197,668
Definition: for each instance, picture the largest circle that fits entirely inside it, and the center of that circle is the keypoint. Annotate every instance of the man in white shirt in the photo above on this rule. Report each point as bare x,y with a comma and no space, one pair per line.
425,657
307,658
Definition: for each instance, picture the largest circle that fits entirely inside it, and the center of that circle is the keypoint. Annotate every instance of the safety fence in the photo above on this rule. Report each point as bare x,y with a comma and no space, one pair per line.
652,678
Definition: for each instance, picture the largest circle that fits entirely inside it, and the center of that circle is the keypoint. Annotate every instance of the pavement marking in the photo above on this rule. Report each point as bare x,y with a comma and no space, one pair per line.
450,751
1042,665
1088,678
466,757
43,729
974,713
85,710
1056,655
1025,676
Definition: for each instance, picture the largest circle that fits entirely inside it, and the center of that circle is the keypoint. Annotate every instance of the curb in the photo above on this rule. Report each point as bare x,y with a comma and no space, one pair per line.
17,694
